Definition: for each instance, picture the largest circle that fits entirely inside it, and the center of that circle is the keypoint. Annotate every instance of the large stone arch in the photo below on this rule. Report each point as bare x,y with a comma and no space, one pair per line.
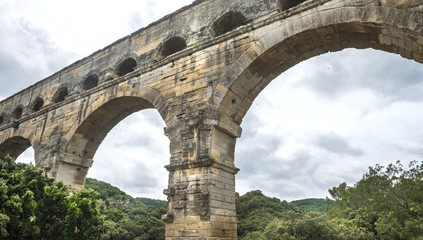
85,137
286,44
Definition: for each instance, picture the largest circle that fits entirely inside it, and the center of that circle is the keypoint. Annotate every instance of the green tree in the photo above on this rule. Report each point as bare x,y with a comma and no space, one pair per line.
32,206
83,216
255,211
127,218
386,201
312,226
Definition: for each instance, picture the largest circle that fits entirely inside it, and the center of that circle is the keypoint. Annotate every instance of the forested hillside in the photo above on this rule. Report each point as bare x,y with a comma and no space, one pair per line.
255,211
125,217
386,204
313,204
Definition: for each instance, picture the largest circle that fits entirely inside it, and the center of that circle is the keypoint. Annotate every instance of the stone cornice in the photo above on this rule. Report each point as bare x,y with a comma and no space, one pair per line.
201,163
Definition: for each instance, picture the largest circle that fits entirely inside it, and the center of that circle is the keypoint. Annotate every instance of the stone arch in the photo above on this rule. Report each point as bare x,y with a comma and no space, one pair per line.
391,30
126,66
287,4
172,45
86,137
17,113
14,147
227,22
37,104
61,93
90,82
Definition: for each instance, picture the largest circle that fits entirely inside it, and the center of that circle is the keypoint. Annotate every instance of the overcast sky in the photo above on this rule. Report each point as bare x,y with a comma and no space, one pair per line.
320,123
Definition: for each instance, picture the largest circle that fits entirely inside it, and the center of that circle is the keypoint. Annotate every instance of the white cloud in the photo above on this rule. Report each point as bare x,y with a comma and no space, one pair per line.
316,136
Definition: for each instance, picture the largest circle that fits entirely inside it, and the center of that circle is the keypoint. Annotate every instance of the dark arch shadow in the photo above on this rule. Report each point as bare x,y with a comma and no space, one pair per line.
171,46
90,82
128,65
287,4
60,94
227,22
14,147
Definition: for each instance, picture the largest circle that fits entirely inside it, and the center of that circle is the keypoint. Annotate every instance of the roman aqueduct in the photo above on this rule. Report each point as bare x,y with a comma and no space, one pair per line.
201,67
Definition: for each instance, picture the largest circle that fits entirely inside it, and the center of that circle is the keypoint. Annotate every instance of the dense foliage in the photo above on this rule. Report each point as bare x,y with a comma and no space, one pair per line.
255,211
32,206
265,218
386,204
308,226
105,190
128,218
386,201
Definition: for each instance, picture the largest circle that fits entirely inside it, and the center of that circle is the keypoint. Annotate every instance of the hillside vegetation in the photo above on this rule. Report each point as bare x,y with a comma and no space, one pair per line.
32,206
313,204
386,204
125,217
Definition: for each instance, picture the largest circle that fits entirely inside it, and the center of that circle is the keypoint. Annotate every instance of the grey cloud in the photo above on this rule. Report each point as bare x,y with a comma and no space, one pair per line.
334,143
388,75
134,177
146,141
289,177
152,9
410,147
153,117
135,21
11,72
139,176
255,151
250,124
27,54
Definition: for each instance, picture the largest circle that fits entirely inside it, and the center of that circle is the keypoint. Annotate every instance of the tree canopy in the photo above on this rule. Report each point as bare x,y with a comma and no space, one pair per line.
387,201
386,204
32,206
127,218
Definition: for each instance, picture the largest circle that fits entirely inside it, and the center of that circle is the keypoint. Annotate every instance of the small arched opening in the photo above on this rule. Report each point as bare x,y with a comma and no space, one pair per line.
17,113
228,22
90,82
284,5
172,46
60,94
1,119
127,66
37,105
